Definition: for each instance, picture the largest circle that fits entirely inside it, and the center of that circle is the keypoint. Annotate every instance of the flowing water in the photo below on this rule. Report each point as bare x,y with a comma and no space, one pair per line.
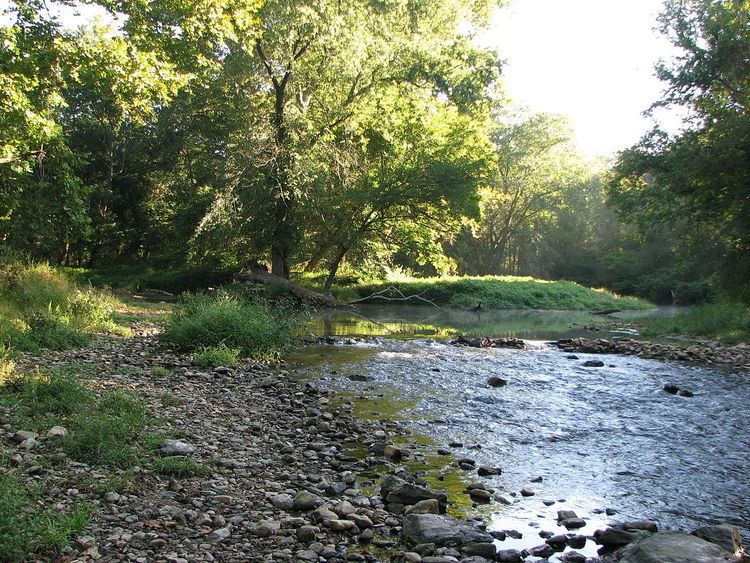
598,437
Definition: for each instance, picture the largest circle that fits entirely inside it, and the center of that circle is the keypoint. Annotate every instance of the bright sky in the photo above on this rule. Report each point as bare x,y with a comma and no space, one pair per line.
589,60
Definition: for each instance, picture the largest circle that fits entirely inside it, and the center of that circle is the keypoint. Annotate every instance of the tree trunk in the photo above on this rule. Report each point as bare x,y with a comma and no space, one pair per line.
334,267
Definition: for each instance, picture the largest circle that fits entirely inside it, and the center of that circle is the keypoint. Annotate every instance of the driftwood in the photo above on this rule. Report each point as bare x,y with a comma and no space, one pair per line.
382,296
606,312
306,295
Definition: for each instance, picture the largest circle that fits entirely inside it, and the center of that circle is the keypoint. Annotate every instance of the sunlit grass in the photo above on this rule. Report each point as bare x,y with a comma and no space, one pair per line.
725,321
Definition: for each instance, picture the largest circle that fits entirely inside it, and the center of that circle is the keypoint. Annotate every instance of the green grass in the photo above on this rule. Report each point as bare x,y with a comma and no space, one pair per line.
42,308
25,528
161,371
178,466
105,431
227,319
497,292
221,355
724,321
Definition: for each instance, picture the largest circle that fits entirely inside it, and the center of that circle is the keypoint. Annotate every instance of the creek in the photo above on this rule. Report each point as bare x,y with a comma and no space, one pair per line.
599,438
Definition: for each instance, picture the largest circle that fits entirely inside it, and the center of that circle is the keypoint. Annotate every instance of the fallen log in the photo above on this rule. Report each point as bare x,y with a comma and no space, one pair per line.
301,293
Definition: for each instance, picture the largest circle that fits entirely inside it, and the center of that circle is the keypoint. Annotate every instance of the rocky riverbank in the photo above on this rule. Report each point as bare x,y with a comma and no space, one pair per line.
280,482
712,353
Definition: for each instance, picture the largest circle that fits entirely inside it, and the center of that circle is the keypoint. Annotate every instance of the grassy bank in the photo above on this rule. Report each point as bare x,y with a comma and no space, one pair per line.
498,292
724,321
42,308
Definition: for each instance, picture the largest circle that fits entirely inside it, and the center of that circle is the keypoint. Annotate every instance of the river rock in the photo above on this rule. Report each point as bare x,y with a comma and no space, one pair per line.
486,550
526,492
486,471
672,389
674,547
614,538
495,381
542,551
437,529
429,506
282,501
573,523
725,536
509,556
593,364
57,432
23,435
176,447
305,500
397,491
480,495
642,525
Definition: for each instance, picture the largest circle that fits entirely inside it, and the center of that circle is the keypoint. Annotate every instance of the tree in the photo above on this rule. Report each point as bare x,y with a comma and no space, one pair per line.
699,176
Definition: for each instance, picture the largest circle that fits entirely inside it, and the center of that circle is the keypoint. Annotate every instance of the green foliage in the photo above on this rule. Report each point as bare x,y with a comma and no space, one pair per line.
25,528
724,321
160,371
221,355
107,435
42,308
178,466
236,322
505,292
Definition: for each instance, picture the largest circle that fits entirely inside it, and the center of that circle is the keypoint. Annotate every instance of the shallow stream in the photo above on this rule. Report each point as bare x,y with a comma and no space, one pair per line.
599,438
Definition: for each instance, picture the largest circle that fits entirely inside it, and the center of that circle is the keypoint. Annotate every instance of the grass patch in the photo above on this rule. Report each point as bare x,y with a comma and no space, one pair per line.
24,528
251,326
498,292
221,355
724,321
41,308
179,466
160,371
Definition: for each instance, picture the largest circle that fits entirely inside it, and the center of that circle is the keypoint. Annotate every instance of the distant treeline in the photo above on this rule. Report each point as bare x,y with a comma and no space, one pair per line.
360,137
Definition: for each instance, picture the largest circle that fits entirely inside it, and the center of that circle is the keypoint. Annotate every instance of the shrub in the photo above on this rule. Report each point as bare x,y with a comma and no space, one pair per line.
221,355
249,325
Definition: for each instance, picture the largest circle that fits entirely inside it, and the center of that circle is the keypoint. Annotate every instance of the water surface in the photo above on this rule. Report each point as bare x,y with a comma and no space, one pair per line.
598,437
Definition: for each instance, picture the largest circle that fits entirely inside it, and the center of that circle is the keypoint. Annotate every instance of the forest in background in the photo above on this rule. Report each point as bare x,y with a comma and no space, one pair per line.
356,138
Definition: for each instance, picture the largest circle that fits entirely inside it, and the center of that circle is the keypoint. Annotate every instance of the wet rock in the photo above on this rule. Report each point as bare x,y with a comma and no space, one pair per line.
685,393
486,550
642,525
526,492
674,547
593,364
480,495
724,535
557,542
573,557
176,447
614,538
437,529
573,523
495,381
565,514
485,471
341,525
543,551
669,388
509,556
307,534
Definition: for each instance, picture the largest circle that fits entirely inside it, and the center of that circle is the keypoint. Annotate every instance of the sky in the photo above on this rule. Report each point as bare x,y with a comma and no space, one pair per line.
591,61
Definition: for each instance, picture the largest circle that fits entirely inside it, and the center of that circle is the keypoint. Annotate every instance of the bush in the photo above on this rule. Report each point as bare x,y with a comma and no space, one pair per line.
220,355
41,308
233,321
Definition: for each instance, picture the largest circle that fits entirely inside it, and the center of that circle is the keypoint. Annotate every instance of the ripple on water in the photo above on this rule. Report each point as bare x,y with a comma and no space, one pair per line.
599,437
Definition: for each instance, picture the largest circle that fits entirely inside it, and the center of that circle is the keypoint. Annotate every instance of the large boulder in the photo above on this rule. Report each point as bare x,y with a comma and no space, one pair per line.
441,530
674,547
725,536
397,491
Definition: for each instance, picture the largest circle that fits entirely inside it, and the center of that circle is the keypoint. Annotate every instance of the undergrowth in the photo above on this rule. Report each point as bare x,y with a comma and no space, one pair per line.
724,321
41,308
224,322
